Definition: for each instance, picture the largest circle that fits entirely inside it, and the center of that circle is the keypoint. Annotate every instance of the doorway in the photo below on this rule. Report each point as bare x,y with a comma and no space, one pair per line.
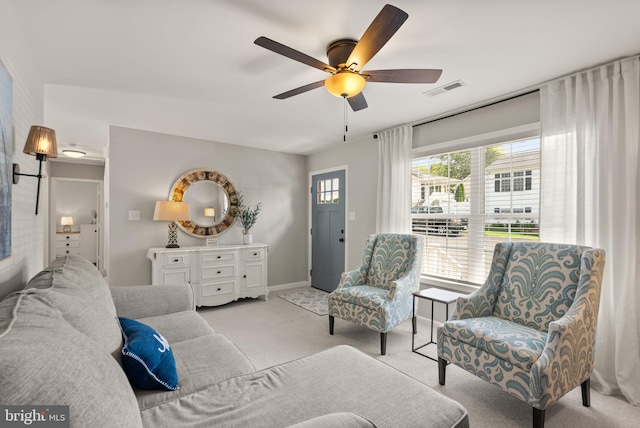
328,205
79,201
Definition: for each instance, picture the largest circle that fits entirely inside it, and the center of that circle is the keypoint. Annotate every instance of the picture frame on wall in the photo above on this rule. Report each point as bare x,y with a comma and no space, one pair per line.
6,145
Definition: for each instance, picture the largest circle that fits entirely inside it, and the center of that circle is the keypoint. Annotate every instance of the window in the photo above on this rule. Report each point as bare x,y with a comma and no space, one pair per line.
484,195
329,191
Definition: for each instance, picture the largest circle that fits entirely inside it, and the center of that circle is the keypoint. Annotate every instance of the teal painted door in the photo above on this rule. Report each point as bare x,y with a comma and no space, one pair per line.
327,229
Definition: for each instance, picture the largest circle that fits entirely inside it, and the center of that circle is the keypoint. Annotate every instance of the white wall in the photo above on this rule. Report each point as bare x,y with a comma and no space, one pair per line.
28,230
142,168
361,159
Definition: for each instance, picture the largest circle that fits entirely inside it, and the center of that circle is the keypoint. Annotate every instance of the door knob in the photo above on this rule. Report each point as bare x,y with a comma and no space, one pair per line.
341,239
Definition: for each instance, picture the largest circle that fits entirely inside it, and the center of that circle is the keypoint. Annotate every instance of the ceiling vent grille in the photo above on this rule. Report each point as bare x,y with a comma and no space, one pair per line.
446,88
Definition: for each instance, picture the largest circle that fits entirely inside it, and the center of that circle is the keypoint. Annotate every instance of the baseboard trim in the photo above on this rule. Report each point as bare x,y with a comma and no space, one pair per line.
289,286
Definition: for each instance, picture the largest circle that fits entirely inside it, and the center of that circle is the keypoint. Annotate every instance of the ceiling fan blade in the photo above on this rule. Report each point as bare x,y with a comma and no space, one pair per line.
385,25
357,102
403,75
300,90
295,55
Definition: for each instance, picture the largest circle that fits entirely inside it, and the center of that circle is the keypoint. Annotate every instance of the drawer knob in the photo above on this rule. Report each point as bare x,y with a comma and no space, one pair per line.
244,276
255,254
67,251
67,244
68,237
219,257
219,272
219,289
176,260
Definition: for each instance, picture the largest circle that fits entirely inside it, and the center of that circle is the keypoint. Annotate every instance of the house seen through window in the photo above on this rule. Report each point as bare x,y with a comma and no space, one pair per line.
464,202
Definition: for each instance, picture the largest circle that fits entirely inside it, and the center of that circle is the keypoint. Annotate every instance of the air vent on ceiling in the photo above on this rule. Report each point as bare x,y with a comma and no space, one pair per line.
446,88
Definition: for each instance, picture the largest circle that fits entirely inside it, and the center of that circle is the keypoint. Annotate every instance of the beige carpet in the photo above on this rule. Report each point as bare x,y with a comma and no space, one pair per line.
275,331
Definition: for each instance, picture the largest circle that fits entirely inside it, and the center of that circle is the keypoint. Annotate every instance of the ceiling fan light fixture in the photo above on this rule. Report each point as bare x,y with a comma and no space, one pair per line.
345,84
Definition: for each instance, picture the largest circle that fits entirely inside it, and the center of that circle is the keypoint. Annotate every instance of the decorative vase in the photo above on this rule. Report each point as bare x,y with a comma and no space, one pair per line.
246,237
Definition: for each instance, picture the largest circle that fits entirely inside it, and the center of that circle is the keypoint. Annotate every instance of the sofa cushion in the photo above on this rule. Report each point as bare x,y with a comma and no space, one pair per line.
179,326
46,361
336,420
75,287
147,358
327,382
201,362
507,340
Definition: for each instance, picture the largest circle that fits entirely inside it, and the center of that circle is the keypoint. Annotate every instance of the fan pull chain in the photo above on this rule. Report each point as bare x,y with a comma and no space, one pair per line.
346,127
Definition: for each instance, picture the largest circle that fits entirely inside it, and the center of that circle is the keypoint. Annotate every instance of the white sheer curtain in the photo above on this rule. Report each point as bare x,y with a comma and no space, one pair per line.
590,195
394,181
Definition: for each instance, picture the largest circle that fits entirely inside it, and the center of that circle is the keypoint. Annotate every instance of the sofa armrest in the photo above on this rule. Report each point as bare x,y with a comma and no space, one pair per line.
141,301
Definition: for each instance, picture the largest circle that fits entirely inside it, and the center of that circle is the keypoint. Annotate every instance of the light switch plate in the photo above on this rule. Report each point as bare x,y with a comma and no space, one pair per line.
134,215
352,215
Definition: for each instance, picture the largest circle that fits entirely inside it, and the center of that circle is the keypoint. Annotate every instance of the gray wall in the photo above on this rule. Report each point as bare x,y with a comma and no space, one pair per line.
142,168
361,159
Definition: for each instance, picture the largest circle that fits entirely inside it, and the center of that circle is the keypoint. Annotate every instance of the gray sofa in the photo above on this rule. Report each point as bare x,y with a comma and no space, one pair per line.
61,343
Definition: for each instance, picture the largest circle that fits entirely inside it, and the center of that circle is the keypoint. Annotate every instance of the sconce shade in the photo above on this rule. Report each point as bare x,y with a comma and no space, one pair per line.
41,142
345,84
210,212
171,211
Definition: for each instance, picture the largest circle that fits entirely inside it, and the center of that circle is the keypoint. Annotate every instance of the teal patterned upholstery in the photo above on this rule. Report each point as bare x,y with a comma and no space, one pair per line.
378,294
530,329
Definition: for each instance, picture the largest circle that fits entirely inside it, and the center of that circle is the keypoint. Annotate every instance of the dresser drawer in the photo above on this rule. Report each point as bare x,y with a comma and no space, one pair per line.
174,260
68,252
218,288
208,273
254,253
61,237
217,257
68,244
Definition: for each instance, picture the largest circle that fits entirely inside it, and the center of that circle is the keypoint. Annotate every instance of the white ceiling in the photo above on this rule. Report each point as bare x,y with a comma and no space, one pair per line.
190,67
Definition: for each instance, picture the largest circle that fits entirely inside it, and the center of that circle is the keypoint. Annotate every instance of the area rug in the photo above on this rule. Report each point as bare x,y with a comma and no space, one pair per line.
313,300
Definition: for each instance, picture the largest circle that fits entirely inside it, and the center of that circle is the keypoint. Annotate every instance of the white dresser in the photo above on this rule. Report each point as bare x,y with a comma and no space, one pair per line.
68,243
218,275
78,243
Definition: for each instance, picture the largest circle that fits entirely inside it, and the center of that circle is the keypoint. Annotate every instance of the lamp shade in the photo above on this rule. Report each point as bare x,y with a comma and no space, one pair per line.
171,211
345,84
210,212
66,221
41,142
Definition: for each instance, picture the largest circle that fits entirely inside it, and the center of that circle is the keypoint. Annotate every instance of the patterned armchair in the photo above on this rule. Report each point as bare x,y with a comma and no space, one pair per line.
530,329
378,293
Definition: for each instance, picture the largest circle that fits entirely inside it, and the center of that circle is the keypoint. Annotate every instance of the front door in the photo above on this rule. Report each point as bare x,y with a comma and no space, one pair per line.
327,229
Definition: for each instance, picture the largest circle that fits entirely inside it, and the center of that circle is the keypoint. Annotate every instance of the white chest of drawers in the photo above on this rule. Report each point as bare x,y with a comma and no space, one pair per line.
218,275
68,244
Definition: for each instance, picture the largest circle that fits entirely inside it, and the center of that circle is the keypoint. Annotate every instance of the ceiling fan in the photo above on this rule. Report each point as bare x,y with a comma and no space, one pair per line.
347,57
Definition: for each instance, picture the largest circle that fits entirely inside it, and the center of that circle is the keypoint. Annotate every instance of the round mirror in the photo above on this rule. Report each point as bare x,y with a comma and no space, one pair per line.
210,195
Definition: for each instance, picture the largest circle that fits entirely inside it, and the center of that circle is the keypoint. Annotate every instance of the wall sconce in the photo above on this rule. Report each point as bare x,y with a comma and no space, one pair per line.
41,143
67,222
172,211
210,212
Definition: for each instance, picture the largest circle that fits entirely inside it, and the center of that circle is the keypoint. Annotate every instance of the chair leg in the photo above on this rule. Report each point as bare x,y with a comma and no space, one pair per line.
331,322
442,370
586,393
383,343
538,418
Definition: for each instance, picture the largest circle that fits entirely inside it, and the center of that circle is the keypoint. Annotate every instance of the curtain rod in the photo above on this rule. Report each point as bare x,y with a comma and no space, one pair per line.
471,109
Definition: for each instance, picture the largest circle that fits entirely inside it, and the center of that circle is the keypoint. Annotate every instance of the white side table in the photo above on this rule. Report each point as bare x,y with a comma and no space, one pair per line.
434,295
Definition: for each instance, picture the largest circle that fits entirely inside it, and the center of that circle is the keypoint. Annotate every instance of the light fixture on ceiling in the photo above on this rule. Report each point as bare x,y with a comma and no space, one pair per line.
345,84
73,153
41,143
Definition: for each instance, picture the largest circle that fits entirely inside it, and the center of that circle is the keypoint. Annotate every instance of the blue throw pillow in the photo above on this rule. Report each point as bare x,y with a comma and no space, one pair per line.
147,358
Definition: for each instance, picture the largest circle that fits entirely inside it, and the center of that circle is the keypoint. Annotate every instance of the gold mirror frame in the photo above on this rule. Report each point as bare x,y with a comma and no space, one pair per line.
181,186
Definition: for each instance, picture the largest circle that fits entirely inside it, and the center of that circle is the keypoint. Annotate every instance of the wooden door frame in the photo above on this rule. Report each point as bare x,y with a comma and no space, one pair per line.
344,168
